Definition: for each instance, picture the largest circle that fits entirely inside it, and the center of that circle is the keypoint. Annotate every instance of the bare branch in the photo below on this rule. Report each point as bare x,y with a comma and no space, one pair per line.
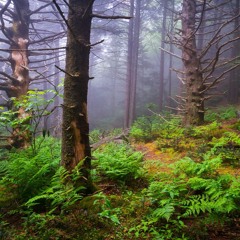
63,71
39,9
173,54
94,44
9,77
64,19
31,50
110,17
219,78
214,62
3,24
217,37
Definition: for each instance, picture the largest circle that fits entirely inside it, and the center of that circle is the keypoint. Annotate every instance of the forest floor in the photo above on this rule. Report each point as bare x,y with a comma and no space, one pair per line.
166,183
157,161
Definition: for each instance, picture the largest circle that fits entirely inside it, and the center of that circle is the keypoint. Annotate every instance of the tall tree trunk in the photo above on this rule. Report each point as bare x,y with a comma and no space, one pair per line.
171,59
162,60
129,66
19,38
234,83
114,83
75,130
57,113
194,107
133,65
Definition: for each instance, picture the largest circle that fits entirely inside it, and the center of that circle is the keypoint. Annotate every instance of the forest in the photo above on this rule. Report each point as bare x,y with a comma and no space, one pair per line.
120,119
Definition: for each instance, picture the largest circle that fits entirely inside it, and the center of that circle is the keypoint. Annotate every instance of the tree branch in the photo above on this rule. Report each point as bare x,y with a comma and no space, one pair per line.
110,17
3,24
37,49
9,77
39,9
172,54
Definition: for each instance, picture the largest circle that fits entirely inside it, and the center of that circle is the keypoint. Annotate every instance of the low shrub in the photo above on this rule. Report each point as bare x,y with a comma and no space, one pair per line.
205,131
153,127
228,146
224,113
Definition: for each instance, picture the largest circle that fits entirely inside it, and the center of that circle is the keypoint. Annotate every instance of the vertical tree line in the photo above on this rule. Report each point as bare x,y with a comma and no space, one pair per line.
132,61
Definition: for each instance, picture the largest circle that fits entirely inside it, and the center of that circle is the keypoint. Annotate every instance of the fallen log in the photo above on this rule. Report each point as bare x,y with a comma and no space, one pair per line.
123,137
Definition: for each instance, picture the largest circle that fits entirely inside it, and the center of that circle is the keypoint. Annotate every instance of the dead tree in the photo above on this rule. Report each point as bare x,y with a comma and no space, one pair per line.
28,52
206,67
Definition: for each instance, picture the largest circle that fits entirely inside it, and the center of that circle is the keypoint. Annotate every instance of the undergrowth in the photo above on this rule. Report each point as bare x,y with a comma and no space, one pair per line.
24,174
119,162
220,114
190,200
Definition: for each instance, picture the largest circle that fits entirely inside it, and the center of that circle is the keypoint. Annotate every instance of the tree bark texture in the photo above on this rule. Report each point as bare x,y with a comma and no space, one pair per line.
194,105
18,35
75,130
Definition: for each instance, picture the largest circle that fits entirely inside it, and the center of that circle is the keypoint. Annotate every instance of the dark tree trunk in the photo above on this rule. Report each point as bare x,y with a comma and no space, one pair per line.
75,130
162,59
194,107
234,83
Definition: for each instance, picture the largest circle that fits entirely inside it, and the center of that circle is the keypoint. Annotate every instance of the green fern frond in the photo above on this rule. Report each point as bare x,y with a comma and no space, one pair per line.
165,212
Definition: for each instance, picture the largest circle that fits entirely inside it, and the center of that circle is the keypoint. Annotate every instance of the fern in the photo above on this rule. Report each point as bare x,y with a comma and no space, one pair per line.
166,211
197,204
3,168
61,193
119,162
216,195
190,168
26,175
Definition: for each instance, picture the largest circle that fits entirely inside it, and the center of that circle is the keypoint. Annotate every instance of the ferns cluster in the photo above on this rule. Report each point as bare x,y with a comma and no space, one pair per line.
35,187
119,162
195,190
151,127
61,193
223,113
33,184
24,174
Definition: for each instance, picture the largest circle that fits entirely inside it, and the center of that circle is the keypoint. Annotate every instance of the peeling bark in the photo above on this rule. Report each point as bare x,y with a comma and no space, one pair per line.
75,130
19,62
